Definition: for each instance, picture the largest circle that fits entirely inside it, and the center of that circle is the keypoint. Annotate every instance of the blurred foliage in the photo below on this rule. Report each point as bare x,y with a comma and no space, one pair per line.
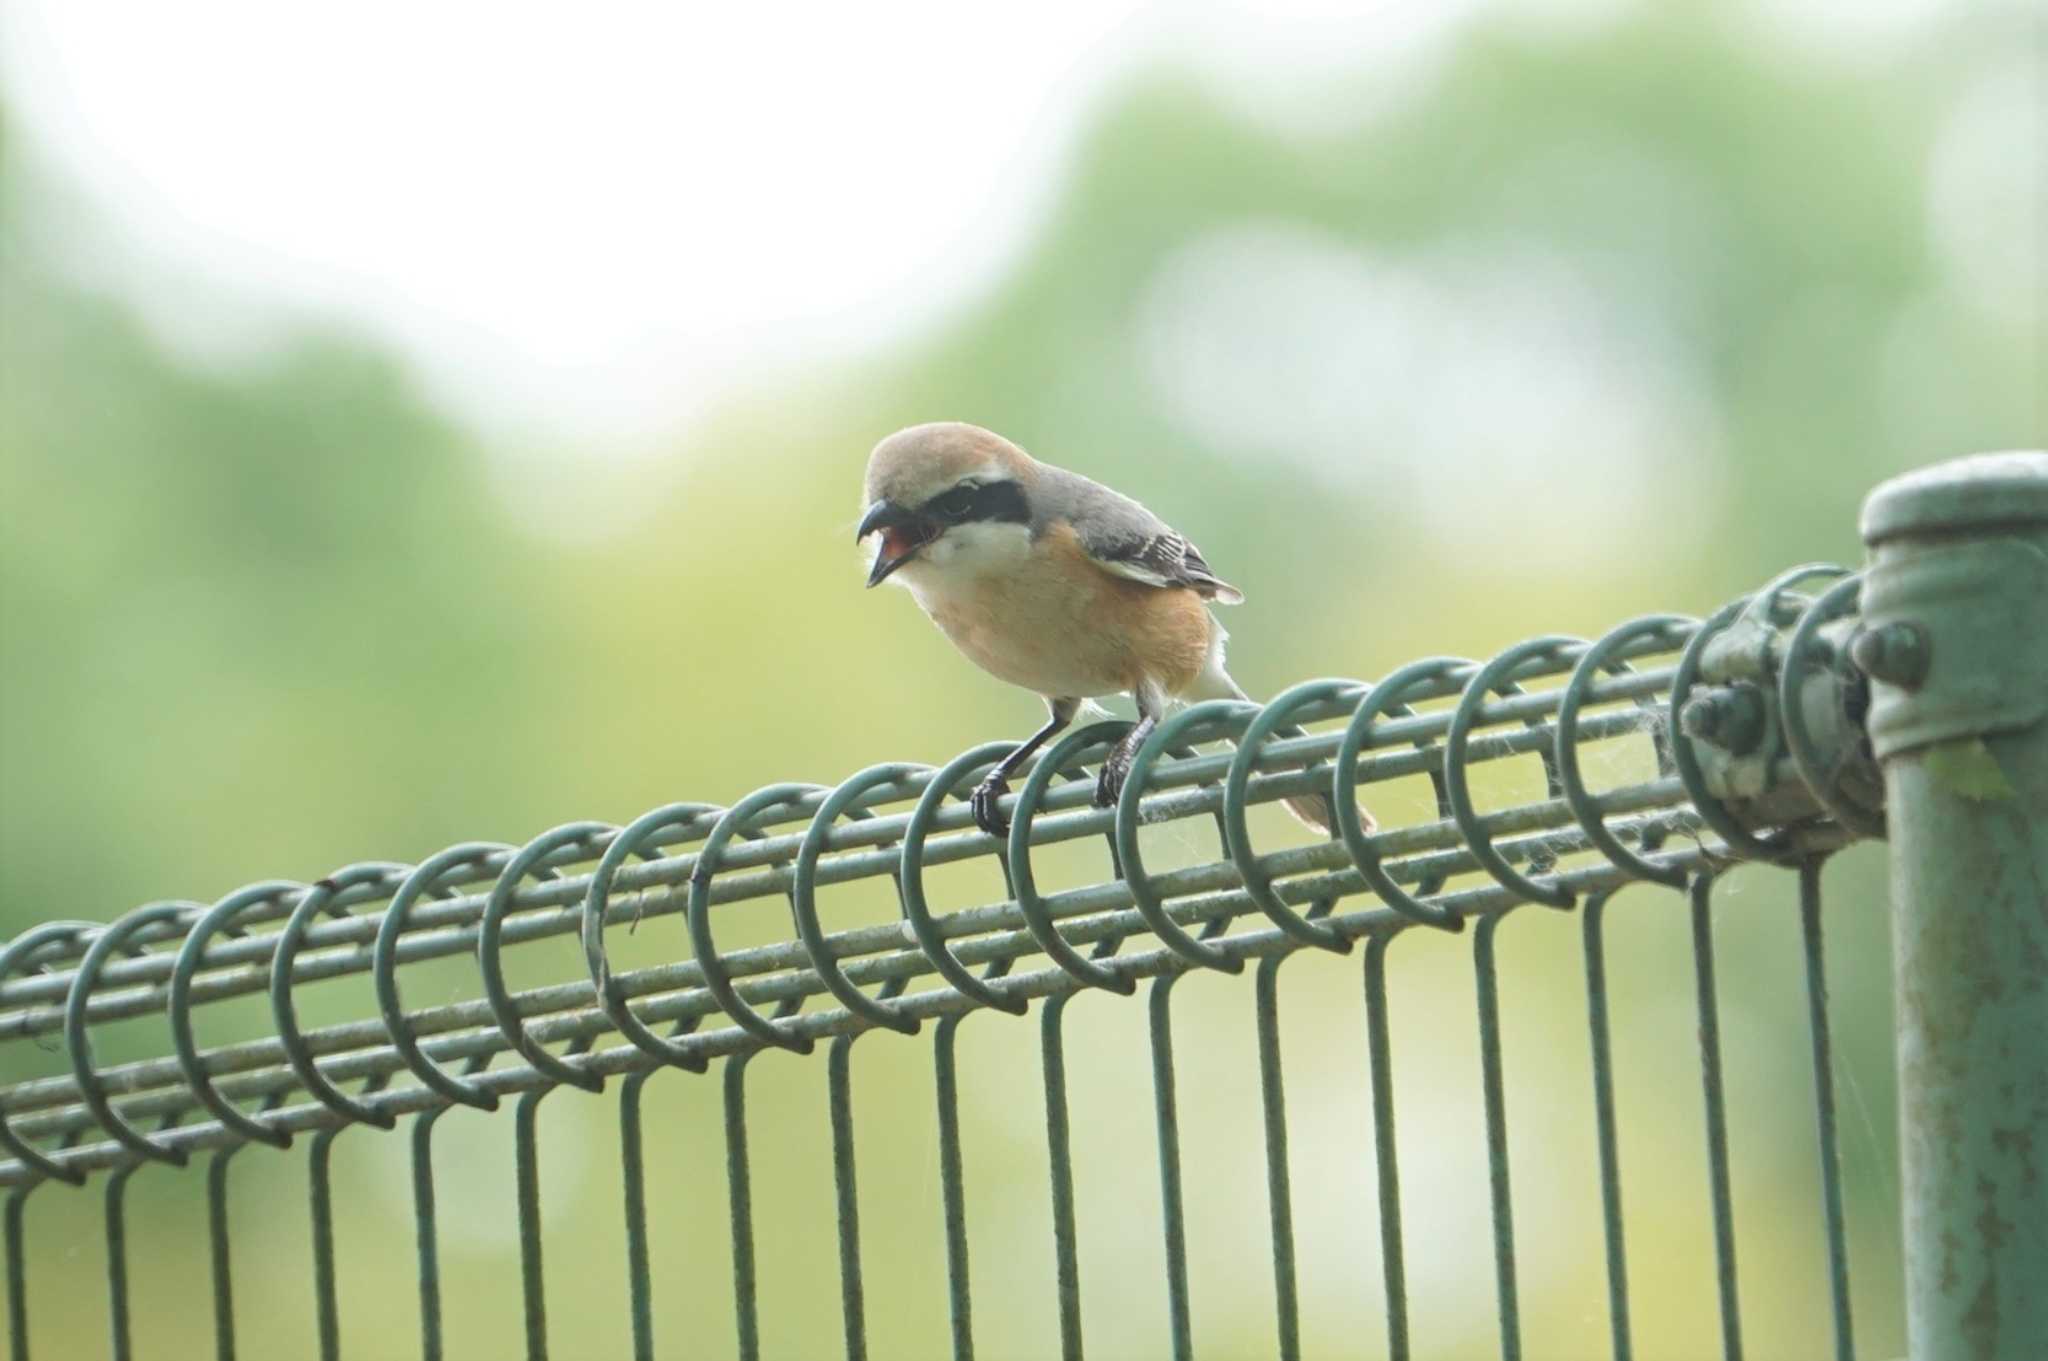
267,620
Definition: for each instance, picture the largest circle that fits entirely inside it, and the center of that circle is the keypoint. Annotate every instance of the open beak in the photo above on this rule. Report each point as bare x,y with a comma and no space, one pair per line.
903,533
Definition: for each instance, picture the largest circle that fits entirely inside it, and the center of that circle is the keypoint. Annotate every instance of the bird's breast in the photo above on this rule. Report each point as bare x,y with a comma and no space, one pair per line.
1054,622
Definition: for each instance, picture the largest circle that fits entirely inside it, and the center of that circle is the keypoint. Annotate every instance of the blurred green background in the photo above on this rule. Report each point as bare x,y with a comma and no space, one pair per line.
1589,322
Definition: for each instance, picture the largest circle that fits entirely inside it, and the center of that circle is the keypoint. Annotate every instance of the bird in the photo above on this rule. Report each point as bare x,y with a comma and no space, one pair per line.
1054,583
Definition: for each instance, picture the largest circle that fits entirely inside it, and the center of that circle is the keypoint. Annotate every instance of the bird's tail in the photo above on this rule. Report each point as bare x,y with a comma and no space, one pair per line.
1311,810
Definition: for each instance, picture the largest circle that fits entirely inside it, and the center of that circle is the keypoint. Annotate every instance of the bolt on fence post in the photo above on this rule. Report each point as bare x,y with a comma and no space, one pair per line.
1955,640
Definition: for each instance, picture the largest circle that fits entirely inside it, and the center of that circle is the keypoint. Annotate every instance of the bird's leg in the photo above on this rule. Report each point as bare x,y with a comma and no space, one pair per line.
991,790
1109,785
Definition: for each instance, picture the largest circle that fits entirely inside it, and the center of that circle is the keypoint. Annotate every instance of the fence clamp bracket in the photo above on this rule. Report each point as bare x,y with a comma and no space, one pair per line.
1774,719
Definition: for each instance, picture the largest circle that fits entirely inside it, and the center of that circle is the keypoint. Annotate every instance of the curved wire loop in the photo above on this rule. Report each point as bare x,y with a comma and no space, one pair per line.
1237,833
1710,808
1210,718
18,955
848,799
1765,606
1492,679
671,823
490,945
178,1003
1585,805
1023,882
429,877
320,898
1388,699
78,1039
738,821
953,780
1770,603
1813,767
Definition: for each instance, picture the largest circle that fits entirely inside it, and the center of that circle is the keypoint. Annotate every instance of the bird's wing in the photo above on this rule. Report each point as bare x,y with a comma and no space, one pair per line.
1129,540
1163,559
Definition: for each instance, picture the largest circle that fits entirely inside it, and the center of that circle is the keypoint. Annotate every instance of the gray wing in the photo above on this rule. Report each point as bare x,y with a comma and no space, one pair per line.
1132,542
1164,559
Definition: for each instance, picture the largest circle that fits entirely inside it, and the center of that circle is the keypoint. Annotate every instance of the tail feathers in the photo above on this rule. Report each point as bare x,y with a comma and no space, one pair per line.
1213,683
1310,810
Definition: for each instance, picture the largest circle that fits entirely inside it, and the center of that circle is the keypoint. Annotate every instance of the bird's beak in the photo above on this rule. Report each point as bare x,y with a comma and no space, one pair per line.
903,532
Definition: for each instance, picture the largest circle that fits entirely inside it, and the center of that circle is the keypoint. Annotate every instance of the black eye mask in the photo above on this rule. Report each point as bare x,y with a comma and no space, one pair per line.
994,502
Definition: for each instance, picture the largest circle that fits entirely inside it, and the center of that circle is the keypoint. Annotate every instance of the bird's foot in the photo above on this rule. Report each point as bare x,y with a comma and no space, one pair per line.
987,815
1109,785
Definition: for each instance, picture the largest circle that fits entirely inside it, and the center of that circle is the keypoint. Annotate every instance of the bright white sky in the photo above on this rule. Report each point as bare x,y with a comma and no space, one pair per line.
582,220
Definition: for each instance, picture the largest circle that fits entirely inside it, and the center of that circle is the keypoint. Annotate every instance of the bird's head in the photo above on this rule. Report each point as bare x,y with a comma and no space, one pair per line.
944,494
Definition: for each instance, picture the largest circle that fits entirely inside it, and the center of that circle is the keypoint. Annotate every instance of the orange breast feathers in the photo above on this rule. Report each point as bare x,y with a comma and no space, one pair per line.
1063,625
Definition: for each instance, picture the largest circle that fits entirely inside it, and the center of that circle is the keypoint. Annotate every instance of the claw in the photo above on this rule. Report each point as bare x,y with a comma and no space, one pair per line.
982,805
1109,785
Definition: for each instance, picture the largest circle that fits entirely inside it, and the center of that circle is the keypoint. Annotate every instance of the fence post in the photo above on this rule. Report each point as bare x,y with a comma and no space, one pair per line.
1955,640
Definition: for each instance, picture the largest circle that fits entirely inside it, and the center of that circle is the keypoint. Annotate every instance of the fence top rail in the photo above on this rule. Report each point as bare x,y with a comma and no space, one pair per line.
1668,812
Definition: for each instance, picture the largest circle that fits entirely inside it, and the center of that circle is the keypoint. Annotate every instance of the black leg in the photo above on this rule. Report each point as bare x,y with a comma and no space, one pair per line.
1109,785
987,816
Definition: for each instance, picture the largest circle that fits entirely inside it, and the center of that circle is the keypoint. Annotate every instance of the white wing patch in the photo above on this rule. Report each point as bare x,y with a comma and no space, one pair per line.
1136,571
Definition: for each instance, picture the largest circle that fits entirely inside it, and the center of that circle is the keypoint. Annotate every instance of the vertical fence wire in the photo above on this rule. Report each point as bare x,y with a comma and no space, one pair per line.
1060,1166
1593,926
1701,894
1279,1194
217,1251
633,1179
117,1261
17,1270
1166,1121
320,1212
526,1173
1386,1161
1495,1099
740,1201
1824,1106
426,1237
953,1187
846,1196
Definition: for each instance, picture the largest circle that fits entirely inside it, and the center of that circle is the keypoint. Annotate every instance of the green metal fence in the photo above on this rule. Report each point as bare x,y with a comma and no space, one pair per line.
1825,708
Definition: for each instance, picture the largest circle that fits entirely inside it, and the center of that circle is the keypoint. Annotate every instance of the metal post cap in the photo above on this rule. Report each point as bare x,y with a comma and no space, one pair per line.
1983,489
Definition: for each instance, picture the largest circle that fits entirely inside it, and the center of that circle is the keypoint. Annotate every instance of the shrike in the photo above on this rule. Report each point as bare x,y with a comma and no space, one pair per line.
1051,582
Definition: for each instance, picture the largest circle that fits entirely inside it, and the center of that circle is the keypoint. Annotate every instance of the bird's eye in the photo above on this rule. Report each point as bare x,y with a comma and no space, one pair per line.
956,504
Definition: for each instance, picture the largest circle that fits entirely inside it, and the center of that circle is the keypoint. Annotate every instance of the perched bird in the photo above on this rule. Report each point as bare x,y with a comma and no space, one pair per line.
1051,582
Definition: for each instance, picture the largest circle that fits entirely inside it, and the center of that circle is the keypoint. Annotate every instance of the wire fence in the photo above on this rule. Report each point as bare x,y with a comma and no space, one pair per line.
1723,771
